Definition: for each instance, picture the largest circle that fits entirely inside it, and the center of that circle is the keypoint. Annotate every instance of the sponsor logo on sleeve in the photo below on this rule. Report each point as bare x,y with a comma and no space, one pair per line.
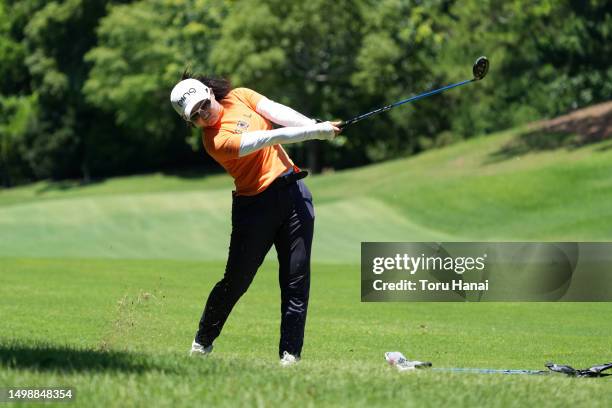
241,126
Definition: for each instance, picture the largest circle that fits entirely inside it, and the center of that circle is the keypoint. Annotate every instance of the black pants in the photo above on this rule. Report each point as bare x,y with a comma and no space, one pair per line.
282,215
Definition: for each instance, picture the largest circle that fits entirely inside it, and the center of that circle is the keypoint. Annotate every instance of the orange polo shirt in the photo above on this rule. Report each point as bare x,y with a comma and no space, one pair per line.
254,172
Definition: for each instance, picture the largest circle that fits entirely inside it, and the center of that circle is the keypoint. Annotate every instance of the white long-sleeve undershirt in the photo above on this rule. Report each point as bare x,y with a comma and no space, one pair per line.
281,114
298,128
253,141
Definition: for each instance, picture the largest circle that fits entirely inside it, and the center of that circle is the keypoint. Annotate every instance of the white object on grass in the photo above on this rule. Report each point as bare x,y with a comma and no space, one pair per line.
288,359
199,350
397,359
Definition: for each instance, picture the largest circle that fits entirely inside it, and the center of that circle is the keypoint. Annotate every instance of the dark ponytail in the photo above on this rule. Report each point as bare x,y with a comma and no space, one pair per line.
220,86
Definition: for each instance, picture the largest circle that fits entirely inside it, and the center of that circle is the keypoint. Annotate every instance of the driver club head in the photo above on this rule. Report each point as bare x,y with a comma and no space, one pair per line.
480,68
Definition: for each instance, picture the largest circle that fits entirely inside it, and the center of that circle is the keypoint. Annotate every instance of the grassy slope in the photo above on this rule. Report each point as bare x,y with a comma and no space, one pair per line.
463,192
123,325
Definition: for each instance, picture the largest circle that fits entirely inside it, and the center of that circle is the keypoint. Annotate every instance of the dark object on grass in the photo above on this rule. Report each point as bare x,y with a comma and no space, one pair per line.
593,371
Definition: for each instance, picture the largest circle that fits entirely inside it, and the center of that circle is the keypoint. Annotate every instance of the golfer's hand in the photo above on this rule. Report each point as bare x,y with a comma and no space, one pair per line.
336,125
327,130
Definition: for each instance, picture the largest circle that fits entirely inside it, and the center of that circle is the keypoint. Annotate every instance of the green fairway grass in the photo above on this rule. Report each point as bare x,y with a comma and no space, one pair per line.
119,330
102,286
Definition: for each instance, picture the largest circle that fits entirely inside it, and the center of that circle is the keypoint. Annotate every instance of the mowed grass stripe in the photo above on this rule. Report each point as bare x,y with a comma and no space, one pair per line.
183,225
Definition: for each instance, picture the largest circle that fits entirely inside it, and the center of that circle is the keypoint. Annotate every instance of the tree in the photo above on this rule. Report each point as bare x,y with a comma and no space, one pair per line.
56,35
398,58
143,49
298,53
547,57
15,105
84,85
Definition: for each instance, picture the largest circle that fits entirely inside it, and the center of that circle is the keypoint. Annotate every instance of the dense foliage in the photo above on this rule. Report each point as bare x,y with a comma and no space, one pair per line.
84,85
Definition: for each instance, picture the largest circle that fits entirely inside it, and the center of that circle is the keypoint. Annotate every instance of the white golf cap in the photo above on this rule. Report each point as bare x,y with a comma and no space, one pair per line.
186,94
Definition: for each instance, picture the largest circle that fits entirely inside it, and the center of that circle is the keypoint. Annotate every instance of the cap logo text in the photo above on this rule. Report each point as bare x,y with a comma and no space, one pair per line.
181,101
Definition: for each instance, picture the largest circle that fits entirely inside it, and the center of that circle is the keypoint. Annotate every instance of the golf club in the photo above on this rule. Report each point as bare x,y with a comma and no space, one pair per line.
590,372
397,359
479,70
491,371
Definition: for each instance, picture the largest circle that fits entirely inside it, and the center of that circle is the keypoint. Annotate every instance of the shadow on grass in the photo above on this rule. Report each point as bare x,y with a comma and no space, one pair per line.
189,173
577,129
605,147
193,172
65,358
65,185
534,141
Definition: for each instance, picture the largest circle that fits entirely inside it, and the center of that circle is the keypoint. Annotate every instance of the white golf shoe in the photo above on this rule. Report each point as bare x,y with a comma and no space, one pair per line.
288,359
199,350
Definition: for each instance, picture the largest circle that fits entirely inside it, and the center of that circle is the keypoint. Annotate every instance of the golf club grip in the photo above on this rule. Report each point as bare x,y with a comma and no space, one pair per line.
341,126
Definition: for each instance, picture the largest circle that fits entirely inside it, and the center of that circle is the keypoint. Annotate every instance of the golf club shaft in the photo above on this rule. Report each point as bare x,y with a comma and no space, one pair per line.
491,371
411,99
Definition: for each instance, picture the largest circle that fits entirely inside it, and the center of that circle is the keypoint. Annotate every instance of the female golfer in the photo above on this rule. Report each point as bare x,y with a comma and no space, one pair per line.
271,204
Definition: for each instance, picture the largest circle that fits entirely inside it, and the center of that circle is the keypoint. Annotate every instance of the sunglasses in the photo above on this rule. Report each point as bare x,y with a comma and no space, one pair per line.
201,109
